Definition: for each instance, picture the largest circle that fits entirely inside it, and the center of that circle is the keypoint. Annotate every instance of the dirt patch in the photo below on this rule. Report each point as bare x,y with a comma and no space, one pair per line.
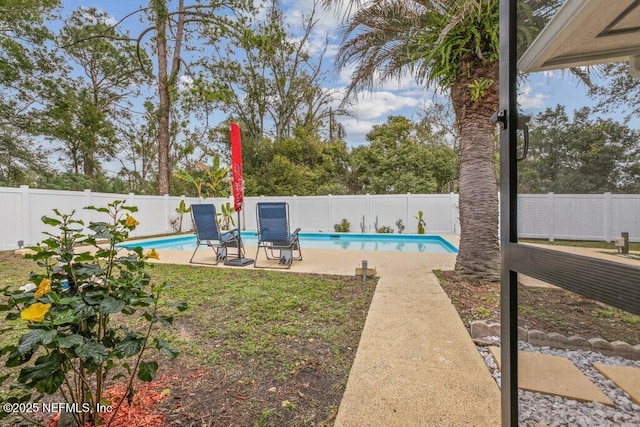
204,396
545,309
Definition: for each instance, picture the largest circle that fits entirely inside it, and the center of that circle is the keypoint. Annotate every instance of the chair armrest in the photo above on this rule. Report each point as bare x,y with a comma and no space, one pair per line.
295,233
234,232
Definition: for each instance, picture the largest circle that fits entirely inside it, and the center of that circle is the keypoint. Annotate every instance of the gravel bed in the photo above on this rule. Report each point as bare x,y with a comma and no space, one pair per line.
537,408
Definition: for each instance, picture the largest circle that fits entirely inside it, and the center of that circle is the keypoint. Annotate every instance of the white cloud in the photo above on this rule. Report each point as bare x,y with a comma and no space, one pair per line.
530,99
406,83
380,104
327,19
373,108
185,82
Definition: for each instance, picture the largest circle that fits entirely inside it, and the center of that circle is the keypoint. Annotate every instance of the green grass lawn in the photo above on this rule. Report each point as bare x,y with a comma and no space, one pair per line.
275,347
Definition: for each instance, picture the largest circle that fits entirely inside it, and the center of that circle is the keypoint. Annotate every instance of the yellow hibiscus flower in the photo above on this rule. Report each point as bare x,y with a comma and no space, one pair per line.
152,254
43,288
130,221
35,312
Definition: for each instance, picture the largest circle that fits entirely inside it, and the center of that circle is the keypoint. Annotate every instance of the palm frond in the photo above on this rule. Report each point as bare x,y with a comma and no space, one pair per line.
434,40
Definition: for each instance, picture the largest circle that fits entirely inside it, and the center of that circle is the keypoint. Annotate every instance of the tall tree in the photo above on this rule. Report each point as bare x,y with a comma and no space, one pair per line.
25,59
109,78
402,157
585,154
172,29
619,92
138,153
451,45
269,80
72,118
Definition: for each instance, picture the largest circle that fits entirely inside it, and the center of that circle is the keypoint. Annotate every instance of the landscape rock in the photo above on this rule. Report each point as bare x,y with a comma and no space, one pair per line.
601,346
626,350
576,342
480,329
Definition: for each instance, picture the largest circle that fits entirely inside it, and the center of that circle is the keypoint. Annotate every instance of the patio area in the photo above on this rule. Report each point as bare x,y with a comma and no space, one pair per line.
416,363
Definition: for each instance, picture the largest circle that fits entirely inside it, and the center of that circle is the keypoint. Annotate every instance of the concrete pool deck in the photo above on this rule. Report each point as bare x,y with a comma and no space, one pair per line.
416,364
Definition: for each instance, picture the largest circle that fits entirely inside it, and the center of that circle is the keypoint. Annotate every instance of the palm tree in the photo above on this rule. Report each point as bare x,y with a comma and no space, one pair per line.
451,45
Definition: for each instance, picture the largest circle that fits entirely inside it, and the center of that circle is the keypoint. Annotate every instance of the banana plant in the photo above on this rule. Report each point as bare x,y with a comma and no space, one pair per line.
181,210
217,181
196,181
226,216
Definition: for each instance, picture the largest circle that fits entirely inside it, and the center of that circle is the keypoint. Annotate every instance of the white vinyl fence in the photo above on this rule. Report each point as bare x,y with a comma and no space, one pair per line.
21,210
547,216
600,217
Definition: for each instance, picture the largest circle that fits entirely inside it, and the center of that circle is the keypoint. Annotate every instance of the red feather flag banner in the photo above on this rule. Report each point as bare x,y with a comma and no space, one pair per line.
236,167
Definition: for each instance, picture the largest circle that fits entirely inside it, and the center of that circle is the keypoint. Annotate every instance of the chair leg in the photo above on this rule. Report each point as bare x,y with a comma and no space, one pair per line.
221,254
194,253
255,259
215,255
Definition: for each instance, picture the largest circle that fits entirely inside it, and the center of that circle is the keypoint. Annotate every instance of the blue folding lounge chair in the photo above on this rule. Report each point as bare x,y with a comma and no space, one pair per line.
208,233
274,235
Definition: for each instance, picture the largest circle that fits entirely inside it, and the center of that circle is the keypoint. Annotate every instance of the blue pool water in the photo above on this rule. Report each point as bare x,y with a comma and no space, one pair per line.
348,241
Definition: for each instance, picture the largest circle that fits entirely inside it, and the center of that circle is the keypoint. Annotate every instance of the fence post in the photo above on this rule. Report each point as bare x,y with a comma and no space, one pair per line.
368,212
26,215
88,216
167,218
552,215
452,212
607,217
330,216
406,213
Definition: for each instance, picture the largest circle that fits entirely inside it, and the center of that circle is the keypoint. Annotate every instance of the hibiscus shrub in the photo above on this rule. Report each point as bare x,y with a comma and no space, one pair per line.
72,334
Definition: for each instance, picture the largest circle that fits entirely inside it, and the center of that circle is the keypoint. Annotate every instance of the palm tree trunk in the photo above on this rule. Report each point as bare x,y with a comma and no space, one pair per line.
479,252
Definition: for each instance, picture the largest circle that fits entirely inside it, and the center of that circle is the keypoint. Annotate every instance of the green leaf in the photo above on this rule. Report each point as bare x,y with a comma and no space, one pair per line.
147,371
128,310
46,375
64,317
92,351
70,341
49,336
129,346
111,305
30,341
166,320
83,257
181,305
93,298
25,296
93,208
89,270
51,221
67,300
16,358
164,347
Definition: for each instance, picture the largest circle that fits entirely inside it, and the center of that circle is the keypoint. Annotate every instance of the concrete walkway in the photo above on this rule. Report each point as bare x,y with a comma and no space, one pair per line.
416,365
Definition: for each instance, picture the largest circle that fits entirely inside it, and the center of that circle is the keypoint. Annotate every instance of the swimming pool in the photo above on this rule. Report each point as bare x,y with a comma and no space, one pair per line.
347,241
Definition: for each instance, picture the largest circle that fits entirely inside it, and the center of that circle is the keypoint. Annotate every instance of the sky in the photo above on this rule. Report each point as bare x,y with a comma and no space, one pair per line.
404,97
